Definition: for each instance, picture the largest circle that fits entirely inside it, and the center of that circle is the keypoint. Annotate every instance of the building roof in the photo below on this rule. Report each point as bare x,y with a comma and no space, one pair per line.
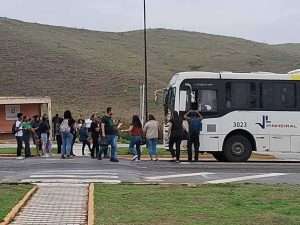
11,100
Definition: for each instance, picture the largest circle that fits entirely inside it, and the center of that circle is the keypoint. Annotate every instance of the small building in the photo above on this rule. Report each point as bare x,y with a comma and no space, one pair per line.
29,106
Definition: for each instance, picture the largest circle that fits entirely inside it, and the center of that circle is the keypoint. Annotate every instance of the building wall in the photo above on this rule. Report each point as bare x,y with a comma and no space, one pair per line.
27,109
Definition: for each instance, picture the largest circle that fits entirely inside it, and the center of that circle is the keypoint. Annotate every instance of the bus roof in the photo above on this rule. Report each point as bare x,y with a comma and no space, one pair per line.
293,75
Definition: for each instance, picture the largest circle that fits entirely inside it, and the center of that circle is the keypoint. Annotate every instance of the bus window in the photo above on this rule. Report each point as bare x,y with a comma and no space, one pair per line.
278,96
242,95
207,101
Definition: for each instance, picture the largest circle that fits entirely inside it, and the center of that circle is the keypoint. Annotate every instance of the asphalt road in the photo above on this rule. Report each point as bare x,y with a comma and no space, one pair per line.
86,170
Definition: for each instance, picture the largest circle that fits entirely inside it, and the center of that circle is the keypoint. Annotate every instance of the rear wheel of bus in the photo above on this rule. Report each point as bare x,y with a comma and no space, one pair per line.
237,148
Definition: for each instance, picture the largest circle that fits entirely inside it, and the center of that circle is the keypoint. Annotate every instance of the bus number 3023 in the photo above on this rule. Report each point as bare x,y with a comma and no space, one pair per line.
239,124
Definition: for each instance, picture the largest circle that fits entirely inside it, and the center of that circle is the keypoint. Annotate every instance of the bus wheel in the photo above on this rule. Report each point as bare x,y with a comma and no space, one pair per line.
219,156
237,149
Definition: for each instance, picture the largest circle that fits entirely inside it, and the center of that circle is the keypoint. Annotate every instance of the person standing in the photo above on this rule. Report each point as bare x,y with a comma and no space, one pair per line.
109,133
95,130
35,123
84,138
18,131
58,136
44,129
176,135
136,132
194,119
67,137
55,123
151,130
27,128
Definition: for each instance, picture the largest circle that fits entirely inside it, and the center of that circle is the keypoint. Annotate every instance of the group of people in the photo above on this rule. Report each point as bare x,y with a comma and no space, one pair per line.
99,133
36,128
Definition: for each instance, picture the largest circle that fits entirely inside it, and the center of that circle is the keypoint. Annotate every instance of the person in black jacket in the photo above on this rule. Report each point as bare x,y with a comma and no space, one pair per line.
95,130
176,134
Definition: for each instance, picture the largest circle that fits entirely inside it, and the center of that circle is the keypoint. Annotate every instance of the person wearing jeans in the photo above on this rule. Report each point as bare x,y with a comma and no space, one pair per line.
67,139
66,133
151,129
136,132
109,133
152,143
112,141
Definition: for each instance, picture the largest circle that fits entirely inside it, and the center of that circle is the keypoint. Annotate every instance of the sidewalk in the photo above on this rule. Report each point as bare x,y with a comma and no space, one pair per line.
57,204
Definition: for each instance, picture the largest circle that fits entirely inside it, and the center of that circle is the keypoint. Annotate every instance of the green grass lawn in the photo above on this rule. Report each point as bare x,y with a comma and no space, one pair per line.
248,204
8,150
10,195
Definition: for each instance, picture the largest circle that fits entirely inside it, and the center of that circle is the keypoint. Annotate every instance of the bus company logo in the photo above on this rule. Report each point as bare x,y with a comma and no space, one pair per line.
267,123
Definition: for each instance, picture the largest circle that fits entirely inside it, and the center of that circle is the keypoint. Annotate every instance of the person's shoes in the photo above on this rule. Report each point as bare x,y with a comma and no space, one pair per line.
177,161
114,160
20,158
106,157
134,158
62,157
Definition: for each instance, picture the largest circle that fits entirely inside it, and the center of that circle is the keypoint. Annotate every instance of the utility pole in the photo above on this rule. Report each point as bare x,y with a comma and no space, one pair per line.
146,65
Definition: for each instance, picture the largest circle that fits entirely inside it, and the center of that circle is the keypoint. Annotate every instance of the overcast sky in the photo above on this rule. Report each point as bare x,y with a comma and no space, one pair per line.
271,21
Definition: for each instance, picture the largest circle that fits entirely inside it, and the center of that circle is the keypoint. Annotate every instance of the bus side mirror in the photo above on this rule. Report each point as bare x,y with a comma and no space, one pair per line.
183,101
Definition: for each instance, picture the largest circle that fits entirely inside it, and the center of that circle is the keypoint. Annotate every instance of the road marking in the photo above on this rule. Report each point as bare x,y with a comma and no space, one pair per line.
75,173
236,179
71,181
178,176
73,176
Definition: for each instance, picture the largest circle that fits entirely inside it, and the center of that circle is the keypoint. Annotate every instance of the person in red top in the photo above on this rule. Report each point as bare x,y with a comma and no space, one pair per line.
136,132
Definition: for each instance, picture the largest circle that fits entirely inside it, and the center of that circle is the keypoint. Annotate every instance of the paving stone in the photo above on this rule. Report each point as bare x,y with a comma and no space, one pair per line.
59,205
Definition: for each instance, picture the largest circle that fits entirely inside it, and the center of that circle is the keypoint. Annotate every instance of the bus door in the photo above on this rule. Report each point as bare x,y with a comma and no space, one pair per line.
205,95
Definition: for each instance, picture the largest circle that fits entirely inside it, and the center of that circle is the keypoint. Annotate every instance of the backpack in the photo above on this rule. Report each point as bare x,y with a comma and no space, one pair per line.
64,127
14,128
195,126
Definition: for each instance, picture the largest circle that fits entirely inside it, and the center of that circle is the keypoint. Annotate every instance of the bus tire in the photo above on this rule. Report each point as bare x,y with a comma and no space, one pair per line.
219,156
237,149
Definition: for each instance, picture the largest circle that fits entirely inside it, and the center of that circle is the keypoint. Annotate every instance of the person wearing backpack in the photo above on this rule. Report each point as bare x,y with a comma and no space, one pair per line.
18,132
194,119
67,137
84,138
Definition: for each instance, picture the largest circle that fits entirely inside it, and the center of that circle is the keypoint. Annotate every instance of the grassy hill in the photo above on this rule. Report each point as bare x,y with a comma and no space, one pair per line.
86,70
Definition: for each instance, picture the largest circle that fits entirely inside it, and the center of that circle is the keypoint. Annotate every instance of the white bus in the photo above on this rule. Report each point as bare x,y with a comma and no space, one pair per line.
243,112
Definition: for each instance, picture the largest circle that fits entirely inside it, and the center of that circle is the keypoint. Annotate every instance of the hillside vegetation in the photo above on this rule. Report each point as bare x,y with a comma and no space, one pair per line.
86,70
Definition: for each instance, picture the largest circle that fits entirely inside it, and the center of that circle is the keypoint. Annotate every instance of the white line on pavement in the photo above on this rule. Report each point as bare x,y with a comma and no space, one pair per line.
71,173
73,176
236,179
178,176
72,181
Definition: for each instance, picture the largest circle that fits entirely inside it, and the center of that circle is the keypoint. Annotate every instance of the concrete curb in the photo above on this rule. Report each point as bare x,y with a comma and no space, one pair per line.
91,215
17,208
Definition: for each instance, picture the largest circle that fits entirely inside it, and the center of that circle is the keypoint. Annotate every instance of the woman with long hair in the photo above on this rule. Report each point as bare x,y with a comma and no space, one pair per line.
66,130
151,130
136,132
175,135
